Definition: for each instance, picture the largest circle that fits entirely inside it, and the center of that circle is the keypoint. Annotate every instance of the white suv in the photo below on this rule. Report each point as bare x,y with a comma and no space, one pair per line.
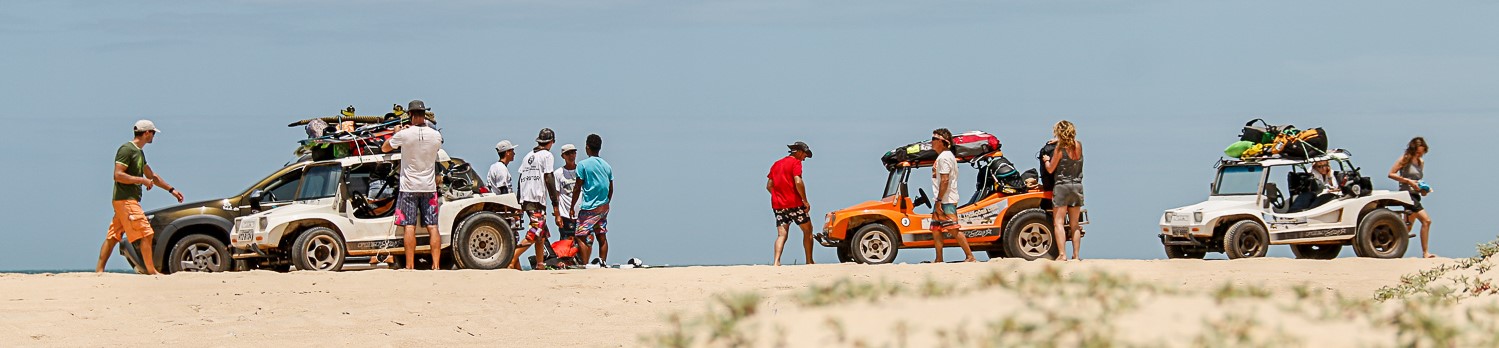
1247,213
345,207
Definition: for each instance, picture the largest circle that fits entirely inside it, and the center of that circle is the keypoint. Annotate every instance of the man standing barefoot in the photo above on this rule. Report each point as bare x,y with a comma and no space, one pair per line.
591,199
536,188
418,200
131,172
788,198
945,182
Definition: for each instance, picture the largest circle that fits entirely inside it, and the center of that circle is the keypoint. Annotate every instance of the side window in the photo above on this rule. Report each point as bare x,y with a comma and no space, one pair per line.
284,189
320,182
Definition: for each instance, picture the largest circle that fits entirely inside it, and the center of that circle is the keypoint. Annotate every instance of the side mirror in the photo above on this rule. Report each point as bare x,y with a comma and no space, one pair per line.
255,197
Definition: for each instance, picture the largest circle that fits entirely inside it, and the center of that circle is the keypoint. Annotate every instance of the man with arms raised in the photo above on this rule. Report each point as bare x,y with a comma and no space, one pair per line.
131,172
788,198
418,201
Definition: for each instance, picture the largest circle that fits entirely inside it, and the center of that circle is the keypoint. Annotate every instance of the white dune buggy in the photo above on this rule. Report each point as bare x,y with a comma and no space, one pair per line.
345,207
1247,213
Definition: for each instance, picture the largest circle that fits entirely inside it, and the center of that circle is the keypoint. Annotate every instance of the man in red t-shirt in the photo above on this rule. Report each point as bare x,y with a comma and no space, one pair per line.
788,198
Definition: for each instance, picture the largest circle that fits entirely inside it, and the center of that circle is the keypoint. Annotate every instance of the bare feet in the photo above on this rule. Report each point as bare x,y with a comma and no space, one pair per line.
970,259
1431,256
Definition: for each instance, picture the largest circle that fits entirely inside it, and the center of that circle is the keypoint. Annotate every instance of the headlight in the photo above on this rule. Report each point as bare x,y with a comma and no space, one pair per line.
1168,216
246,225
1197,217
263,223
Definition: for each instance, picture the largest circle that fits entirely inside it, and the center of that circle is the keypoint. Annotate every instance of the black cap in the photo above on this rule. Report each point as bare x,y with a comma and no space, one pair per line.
546,136
801,146
416,104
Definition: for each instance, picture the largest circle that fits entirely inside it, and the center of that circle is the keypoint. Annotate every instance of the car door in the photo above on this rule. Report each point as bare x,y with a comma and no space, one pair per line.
371,232
275,192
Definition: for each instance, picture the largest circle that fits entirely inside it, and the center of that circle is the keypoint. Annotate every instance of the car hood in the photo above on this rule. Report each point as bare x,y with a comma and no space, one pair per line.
189,205
1218,204
294,208
868,205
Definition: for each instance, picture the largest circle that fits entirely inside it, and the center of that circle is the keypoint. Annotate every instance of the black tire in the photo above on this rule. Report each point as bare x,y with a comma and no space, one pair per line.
1317,251
997,253
1029,236
874,244
198,253
1246,239
1381,234
844,254
1184,252
318,249
483,241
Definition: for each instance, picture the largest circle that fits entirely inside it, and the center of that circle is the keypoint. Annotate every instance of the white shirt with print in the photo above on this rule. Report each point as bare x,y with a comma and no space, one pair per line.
946,164
533,170
567,182
419,146
499,178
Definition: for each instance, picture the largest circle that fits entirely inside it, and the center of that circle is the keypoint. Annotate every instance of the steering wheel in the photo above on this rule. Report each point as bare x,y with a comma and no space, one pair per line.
922,199
361,203
1279,202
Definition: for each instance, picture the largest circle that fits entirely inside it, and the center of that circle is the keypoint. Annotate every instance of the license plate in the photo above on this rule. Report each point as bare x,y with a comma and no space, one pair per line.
244,236
1180,231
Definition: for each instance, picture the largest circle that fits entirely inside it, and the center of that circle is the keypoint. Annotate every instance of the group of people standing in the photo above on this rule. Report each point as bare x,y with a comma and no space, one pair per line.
1063,159
579,193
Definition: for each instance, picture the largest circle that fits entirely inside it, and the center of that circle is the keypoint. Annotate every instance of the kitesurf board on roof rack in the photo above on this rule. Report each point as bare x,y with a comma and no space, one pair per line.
336,140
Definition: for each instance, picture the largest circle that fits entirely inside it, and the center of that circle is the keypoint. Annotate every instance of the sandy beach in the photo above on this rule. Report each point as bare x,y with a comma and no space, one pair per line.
587,308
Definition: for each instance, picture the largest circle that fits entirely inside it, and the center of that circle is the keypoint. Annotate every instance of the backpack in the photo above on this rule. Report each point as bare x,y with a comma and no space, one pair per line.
1048,179
1257,135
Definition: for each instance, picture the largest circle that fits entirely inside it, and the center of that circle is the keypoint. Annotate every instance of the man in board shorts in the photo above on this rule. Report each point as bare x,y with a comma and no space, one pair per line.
418,201
130,173
537,187
788,198
595,192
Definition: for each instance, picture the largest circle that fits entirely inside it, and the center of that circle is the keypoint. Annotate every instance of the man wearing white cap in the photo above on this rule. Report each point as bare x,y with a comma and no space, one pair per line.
567,182
131,172
499,172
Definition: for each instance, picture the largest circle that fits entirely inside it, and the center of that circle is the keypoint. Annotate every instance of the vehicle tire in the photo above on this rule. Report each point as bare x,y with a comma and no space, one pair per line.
844,254
198,253
1317,251
997,253
318,249
1183,252
1381,234
1246,239
483,241
874,244
1028,236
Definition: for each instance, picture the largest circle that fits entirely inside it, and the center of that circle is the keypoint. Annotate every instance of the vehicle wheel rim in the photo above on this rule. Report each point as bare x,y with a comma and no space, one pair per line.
1250,245
200,257
1383,238
1035,240
322,253
484,242
875,247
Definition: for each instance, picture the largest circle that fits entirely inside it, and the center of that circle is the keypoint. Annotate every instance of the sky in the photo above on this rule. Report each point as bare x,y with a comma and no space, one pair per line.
696,99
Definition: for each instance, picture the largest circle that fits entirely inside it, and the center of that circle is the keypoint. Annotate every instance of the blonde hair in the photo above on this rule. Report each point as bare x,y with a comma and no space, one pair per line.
1066,134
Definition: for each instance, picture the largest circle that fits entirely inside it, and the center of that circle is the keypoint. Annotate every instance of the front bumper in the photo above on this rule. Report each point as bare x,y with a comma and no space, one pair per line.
822,238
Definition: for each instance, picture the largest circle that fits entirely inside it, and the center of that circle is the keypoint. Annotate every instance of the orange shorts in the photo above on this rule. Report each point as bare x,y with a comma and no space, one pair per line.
129,221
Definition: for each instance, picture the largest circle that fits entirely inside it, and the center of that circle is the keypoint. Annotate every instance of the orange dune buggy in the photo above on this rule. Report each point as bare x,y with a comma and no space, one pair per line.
1000,218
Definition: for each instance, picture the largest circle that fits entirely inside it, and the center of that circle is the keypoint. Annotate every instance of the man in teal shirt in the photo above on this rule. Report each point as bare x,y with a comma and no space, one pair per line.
595,189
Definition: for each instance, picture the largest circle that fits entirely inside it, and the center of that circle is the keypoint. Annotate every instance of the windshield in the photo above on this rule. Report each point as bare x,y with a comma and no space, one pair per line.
1238,180
895,182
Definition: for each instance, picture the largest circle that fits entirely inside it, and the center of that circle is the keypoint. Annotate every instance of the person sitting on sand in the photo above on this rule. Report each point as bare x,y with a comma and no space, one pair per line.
788,198
1409,171
945,185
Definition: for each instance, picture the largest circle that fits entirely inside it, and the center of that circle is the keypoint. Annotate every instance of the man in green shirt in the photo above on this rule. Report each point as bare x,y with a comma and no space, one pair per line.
131,172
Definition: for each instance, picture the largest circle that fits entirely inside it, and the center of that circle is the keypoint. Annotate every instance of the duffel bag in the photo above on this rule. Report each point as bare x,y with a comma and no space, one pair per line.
1237,149
915,152
1257,135
973,144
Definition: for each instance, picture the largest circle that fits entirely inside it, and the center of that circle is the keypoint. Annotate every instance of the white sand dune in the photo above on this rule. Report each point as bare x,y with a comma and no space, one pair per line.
588,308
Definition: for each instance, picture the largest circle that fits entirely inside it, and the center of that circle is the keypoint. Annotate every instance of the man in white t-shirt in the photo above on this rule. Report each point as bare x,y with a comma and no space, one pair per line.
535,189
499,172
945,185
418,201
567,183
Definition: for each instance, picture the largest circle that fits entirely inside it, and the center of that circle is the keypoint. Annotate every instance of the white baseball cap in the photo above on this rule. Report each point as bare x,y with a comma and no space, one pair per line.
146,126
503,146
569,147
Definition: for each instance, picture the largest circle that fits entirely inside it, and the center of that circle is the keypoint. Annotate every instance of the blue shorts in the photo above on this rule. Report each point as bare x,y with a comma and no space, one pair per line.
413,208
